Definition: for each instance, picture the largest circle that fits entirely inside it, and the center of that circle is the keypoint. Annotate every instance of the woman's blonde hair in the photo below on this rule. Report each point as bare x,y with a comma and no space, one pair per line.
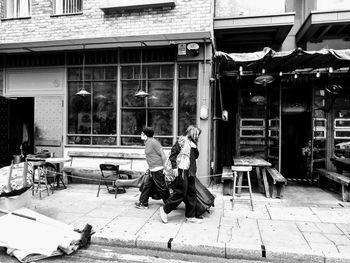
193,132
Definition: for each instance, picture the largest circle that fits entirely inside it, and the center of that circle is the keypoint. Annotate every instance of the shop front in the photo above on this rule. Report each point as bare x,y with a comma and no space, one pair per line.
290,108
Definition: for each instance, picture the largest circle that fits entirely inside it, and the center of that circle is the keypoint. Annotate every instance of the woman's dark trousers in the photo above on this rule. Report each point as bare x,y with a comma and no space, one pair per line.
184,189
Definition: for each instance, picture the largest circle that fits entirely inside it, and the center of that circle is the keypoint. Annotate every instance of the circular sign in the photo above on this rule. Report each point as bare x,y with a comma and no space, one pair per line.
192,46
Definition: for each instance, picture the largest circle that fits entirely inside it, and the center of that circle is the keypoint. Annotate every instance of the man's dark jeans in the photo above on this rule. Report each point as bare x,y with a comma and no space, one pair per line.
155,182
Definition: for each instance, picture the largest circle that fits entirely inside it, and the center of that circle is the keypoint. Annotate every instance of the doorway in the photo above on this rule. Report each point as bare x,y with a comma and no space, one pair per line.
21,126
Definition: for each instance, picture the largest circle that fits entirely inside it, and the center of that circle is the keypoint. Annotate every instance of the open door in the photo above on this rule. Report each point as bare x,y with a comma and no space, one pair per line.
5,156
49,124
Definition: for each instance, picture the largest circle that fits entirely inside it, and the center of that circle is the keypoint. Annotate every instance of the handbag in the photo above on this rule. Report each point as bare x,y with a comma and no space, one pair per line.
183,162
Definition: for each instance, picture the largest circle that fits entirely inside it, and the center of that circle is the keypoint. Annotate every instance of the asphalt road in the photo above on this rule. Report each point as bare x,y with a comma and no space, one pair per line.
98,254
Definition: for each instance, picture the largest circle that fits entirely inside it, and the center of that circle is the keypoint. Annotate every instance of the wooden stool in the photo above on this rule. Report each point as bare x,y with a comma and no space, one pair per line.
242,170
39,166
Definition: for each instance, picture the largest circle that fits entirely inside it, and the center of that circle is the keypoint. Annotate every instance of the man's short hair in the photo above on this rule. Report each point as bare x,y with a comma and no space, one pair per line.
148,131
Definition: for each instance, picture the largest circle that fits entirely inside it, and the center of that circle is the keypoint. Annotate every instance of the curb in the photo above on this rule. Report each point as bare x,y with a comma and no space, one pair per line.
224,250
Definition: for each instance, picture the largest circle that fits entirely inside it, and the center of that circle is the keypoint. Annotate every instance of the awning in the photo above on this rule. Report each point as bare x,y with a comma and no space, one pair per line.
321,25
284,61
254,32
105,42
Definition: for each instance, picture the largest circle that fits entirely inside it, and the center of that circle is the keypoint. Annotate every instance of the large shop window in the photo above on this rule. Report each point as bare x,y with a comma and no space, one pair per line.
68,6
156,110
92,119
17,8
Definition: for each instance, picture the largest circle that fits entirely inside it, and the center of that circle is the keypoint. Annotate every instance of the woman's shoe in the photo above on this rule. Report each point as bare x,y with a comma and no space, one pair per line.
194,220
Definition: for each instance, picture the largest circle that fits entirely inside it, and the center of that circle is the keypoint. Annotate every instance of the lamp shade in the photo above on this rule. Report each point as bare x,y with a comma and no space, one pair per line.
264,80
82,92
334,89
141,94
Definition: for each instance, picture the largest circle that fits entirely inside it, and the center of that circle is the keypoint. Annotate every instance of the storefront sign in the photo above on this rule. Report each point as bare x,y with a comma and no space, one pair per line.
181,49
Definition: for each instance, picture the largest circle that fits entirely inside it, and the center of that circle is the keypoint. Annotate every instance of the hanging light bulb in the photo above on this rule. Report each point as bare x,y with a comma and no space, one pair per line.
83,92
263,71
140,93
318,74
240,70
295,75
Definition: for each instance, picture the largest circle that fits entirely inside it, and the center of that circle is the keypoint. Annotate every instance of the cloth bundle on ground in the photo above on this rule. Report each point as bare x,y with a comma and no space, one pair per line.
205,199
15,179
30,236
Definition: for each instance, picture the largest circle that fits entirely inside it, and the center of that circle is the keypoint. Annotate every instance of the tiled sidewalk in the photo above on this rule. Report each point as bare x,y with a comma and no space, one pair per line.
307,225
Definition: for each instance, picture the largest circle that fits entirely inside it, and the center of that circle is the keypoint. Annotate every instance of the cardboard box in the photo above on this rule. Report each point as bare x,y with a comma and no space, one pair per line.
15,202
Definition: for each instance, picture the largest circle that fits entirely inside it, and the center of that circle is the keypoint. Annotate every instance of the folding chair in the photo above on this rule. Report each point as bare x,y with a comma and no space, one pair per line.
109,175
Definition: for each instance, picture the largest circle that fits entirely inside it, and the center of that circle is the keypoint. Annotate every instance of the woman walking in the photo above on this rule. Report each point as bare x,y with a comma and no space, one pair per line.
183,160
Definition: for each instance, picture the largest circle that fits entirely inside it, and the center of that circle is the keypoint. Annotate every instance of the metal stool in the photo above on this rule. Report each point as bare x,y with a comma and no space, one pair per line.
242,170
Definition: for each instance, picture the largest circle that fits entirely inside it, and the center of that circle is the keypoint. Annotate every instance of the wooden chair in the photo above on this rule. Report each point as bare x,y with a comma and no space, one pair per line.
241,170
109,175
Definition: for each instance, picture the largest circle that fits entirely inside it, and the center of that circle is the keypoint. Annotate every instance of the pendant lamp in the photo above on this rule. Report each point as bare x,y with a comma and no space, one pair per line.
83,92
140,93
264,80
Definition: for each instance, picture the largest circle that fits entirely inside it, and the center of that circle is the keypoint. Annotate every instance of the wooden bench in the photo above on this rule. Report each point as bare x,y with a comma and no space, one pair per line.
93,173
338,178
277,182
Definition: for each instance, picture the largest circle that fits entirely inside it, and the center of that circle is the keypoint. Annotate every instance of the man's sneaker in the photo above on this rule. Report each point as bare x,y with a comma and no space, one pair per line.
140,205
163,215
194,220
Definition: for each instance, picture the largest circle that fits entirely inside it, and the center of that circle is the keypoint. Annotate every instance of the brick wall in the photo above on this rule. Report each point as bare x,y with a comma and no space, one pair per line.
236,8
186,16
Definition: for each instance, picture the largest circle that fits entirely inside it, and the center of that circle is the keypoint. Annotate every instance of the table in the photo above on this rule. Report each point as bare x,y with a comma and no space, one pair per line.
341,164
260,167
57,163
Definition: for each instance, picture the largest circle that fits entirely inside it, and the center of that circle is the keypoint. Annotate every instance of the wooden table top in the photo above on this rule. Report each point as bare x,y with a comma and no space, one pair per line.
250,161
58,160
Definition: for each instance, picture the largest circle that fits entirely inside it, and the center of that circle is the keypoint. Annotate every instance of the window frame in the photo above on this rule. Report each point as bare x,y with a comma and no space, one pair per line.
147,108
15,15
55,8
119,107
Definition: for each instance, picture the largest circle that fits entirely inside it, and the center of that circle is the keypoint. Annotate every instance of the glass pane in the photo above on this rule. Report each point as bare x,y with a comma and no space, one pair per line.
167,71
161,93
187,104
104,140
129,89
79,140
99,73
154,72
161,121
111,73
74,74
104,108
165,141
127,72
133,121
131,141
79,110
88,73
183,71
193,71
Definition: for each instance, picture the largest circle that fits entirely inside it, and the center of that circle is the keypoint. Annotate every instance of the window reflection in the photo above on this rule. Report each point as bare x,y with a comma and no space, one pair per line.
137,113
95,113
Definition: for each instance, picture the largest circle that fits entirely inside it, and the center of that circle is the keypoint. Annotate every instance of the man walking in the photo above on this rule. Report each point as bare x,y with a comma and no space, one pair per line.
155,158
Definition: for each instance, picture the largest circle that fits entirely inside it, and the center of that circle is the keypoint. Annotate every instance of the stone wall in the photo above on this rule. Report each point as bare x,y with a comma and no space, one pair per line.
186,17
